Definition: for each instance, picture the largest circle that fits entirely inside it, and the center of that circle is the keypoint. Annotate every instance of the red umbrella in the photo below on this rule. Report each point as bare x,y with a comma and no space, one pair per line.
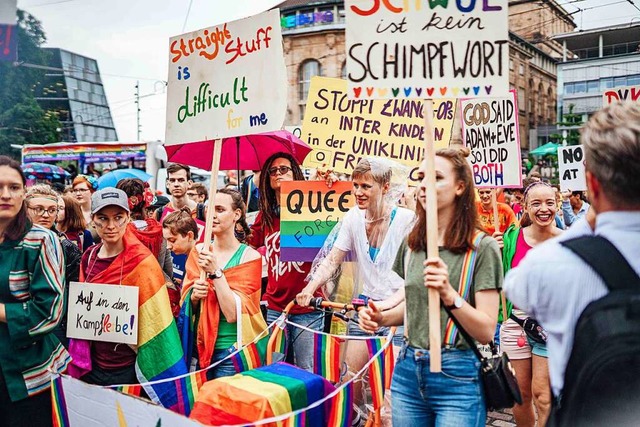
241,153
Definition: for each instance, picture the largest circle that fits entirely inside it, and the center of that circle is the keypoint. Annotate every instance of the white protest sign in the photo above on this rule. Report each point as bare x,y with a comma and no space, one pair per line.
8,10
491,130
227,80
571,165
103,313
627,93
86,405
420,49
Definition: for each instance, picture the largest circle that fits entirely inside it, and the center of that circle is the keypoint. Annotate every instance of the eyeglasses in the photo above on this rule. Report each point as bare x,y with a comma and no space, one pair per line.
39,210
279,169
80,190
119,222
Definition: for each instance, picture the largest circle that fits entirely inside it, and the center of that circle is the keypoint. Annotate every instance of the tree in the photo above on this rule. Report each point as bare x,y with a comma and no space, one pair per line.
572,121
22,120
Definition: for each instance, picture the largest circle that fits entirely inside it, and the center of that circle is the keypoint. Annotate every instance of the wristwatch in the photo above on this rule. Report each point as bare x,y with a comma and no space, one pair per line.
457,303
216,274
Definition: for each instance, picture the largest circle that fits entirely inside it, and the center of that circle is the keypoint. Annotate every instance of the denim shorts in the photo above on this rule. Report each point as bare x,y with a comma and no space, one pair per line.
354,329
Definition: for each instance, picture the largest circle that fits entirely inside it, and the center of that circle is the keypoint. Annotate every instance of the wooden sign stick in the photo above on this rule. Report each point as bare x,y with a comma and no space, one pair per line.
213,188
435,339
496,226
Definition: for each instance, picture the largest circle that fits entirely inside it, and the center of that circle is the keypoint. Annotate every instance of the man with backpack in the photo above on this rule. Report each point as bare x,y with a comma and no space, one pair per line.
585,291
178,183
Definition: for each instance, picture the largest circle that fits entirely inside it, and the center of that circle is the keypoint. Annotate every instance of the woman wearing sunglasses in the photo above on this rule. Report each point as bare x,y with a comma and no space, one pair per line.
31,306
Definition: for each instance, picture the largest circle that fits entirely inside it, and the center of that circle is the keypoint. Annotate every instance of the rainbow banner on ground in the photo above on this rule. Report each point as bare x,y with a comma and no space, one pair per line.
308,212
326,359
380,371
342,408
262,393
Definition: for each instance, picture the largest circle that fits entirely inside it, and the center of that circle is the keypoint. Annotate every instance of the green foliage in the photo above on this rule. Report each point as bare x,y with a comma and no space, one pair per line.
572,120
22,121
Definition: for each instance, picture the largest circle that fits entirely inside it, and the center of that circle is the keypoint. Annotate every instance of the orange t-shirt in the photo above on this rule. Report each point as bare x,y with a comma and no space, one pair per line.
506,217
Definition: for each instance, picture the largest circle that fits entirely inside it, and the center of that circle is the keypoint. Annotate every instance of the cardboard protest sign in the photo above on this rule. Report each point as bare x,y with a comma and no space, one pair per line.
627,93
308,212
341,131
420,49
490,129
84,405
227,80
103,313
571,166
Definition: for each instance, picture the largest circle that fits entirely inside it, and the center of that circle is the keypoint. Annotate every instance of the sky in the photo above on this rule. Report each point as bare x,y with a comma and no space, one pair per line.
130,41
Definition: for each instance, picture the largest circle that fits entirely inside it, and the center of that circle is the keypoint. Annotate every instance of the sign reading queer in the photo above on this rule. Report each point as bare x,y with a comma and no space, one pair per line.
341,130
628,93
227,80
309,211
571,165
420,49
103,313
490,128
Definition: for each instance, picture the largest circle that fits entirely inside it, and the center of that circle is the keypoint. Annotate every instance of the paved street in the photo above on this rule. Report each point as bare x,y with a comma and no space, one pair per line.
501,419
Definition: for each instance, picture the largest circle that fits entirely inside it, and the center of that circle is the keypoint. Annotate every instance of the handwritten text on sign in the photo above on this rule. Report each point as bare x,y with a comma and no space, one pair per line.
490,129
309,211
420,49
628,93
571,165
228,80
103,313
341,130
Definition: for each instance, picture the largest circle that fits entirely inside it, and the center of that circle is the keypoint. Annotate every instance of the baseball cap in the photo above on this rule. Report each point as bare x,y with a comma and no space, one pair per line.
158,202
109,197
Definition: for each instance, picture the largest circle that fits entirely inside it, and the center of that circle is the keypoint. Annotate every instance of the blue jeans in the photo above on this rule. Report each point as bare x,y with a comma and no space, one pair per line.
302,340
224,369
451,398
354,329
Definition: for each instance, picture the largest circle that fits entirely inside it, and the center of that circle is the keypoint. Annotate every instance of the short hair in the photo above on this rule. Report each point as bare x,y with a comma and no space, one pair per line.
181,222
611,140
380,172
86,179
200,189
177,167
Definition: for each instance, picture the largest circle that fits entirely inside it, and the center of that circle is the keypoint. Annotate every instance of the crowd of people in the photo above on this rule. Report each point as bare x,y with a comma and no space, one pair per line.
203,300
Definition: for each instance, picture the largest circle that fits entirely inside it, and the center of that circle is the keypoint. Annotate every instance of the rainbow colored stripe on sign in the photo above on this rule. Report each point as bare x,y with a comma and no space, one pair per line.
308,212
342,408
326,359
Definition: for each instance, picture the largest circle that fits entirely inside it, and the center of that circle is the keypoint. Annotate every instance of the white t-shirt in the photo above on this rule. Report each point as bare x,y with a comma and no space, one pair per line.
377,278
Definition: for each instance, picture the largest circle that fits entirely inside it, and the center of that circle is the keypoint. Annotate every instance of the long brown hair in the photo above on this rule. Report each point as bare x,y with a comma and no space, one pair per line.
20,224
238,203
268,203
73,217
458,237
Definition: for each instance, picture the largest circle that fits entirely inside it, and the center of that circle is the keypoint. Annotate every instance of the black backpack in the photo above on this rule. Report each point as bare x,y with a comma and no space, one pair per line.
200,214
602,377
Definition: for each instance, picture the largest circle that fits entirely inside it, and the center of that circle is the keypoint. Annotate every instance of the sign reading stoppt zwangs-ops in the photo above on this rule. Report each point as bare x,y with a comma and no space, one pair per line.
226,80
427,49
491,131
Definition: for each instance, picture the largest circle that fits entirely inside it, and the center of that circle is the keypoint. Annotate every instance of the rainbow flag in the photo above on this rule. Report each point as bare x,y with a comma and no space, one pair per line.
326,359
266,392
380,371
342,408
130,389
247,358
279,343
188,388
58,404
296,420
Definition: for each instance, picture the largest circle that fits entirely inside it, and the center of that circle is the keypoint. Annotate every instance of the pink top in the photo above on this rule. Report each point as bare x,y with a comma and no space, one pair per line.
522,247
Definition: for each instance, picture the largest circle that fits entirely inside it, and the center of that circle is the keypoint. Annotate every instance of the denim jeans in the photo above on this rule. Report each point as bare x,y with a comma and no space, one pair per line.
224,369
451,398
302,340
354,329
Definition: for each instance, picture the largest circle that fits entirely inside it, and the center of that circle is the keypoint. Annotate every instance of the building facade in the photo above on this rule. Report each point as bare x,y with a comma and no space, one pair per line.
314,44
72,90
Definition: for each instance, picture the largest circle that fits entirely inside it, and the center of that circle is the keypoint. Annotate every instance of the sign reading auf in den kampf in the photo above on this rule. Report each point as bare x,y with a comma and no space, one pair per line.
226,80
427,49
103,313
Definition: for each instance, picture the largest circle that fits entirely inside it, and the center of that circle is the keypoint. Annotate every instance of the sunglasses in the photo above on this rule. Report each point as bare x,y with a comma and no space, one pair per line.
279,169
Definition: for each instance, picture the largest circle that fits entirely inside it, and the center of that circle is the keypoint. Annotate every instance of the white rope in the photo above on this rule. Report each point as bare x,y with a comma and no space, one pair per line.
344,337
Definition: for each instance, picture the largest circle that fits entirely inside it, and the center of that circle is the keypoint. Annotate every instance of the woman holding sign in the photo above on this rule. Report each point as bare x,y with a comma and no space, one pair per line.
228,301
31,306
453,396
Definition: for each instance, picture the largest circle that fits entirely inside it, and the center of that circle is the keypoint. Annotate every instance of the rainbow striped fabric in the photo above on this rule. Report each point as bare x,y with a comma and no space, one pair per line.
130,389
250,357
278,342
380,371
266,392
59,405
326,359
297,420
342,408
466,278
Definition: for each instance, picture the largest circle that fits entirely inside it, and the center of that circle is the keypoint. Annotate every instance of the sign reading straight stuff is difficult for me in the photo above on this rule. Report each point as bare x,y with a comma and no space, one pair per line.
491,131
427,49
103,313
227,80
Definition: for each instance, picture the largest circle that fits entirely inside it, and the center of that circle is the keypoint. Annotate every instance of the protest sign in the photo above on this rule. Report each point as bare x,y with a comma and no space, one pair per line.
627,93
227,80
341,131
490,129
571,166
78,404
309,211
103,313
420,49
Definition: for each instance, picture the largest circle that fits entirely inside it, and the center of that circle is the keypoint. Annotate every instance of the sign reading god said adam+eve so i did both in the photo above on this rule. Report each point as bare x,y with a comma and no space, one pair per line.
103,313
227,80
427,48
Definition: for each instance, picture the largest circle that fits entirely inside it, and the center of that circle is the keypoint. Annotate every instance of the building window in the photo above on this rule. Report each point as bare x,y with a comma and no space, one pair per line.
521,102
511,64
633,80
580,87
593,86
606,83
619,81
521,69
307,70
